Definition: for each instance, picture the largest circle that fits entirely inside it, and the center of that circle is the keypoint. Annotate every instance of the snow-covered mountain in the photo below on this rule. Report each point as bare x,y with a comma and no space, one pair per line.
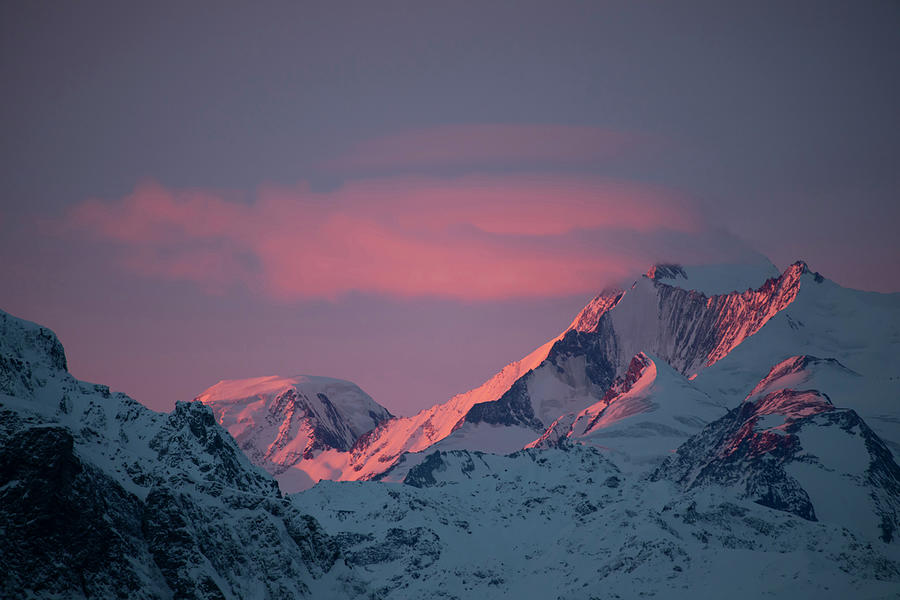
101,497
667,443
293,427
713,348
793,450
567,523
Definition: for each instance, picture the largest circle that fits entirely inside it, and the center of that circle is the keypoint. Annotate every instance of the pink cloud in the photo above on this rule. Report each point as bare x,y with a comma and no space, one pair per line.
475,238
489,145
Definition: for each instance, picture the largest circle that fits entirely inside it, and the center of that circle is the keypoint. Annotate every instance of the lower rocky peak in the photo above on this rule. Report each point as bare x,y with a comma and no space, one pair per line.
791,451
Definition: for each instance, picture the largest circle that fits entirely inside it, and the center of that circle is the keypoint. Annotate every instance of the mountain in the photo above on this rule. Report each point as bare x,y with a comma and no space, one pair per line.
567,523
794,450
736,445
294,427
574,371
722,344
101,497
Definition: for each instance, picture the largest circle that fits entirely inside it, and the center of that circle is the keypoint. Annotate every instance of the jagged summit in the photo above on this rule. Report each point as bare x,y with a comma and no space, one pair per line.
589,317
30,342
666,271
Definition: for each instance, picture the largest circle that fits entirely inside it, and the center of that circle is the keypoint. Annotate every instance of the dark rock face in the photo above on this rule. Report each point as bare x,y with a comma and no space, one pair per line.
32,343
731,452
423,474
70,529
192,425
329,428
883,475
513,408
622,385
598,347
700,330
65,527
175,548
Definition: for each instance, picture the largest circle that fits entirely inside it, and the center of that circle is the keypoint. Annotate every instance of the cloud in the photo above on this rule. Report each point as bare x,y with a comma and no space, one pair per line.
485,146
472,238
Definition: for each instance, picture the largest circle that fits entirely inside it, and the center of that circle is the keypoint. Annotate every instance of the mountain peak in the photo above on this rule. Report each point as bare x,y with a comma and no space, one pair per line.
281,421
31,342
589,317
666,271
801,267
715,279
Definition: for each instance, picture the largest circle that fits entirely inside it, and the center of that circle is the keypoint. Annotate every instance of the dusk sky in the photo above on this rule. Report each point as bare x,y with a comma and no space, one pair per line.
411,195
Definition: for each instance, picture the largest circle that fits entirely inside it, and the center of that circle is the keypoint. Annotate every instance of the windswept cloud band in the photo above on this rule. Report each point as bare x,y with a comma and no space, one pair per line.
472,238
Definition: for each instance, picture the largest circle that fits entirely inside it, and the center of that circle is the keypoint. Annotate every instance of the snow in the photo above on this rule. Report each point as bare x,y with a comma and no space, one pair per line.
247,399
715,279
724,344
860,330
580,521
567,523
643,425
298,428
833,478
771,422
498,439
636,321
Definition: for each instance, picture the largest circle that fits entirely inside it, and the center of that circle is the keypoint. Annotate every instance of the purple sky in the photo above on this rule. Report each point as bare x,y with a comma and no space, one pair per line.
411,195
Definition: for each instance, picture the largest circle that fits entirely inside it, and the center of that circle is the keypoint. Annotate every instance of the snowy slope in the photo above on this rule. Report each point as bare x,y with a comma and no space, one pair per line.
566,523
641,420
381,448
859,330
793,450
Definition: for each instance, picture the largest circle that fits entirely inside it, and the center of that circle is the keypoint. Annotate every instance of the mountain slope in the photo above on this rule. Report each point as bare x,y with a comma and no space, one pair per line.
683,328
101,497
795,312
